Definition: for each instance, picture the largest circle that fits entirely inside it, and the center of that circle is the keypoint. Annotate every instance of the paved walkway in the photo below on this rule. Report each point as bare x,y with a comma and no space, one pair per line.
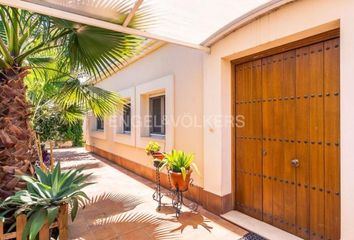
121,207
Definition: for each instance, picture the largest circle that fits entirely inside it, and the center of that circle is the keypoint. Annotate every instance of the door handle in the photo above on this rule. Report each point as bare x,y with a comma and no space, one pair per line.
295,163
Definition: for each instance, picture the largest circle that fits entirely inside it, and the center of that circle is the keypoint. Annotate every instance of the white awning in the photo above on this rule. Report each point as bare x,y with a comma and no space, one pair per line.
184,22
191,23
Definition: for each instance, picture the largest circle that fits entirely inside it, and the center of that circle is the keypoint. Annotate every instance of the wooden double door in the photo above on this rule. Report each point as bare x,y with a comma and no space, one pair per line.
287,150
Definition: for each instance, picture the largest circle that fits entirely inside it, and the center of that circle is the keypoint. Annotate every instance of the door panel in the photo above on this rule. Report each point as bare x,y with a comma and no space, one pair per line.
289,135
268,122
302,146
275,135
240,188
278,140
316,135
249,164
256,110
331,139
290,102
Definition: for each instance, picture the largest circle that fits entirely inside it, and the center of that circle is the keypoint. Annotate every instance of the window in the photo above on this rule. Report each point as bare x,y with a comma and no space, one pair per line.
99,124
153,124
157,115
127,118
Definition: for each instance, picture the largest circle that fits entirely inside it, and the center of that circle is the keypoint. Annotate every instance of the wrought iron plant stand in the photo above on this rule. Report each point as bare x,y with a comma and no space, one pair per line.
157,196
175,194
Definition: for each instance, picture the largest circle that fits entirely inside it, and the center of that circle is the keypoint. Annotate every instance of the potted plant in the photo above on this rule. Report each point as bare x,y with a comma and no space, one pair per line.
153,149
180,166
43,197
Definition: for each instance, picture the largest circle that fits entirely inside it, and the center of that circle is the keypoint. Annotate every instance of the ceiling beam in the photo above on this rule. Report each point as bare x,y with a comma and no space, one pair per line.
49,11
132,12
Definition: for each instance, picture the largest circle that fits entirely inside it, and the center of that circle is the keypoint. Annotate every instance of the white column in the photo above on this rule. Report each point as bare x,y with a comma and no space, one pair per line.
347,124
213,130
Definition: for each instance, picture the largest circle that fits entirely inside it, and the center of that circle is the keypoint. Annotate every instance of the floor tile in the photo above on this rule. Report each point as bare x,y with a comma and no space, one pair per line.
121,207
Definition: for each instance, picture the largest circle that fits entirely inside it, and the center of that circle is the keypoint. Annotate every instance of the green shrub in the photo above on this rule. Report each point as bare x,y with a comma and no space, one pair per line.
74,133
53,127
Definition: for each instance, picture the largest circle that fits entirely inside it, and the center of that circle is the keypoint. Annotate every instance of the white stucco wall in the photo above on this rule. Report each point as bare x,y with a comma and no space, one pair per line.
288,20
184,65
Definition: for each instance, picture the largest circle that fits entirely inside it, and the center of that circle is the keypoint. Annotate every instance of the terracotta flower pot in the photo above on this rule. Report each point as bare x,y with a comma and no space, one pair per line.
158,155
178,182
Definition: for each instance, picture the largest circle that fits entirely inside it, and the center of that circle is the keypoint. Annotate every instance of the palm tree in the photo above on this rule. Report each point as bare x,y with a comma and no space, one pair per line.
68,94
28,42
60,101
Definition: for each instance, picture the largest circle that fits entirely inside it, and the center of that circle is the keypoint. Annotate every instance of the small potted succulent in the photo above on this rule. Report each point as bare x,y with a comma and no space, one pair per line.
153,149
179,165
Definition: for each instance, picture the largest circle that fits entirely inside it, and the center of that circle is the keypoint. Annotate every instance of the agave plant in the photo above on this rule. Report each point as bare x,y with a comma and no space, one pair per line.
180,162
43,197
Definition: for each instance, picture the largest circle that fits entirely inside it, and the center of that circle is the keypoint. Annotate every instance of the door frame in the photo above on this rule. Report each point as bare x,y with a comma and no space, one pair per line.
316,38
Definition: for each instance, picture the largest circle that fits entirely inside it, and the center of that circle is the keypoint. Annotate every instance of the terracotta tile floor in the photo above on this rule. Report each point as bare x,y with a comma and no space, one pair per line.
121,207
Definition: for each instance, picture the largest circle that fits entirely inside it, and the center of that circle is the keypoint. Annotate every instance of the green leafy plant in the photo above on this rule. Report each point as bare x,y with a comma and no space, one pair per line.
63,54
179,161
74,133
44,196
67,95
152,147
52,127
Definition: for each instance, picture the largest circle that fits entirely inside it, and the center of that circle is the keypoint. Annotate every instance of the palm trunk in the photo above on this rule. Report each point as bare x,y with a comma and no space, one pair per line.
17,151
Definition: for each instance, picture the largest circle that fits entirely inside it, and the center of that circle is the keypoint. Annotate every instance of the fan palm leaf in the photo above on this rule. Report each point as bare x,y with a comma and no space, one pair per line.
45,47
68,93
